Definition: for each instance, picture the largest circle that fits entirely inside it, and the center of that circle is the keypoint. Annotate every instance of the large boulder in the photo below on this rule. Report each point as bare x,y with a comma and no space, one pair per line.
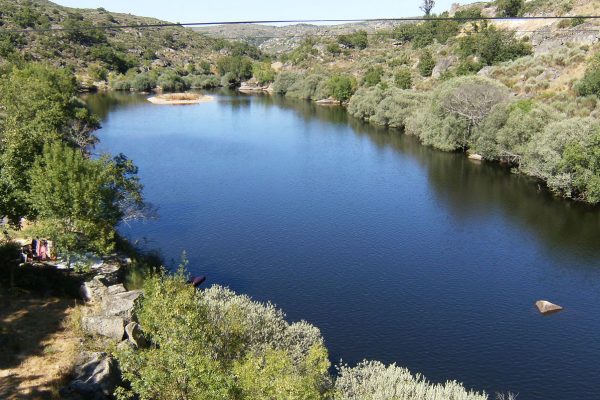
442,66
110,326
94,290
545,307
120,304
96,378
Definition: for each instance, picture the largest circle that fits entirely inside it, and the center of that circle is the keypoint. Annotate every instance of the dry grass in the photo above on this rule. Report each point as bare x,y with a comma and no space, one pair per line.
39,345
180,98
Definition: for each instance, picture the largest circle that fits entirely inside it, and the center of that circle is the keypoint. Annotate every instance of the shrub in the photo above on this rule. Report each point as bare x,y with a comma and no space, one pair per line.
457,108
371,380
341,87
492,45
205,82
334,49
565,155
590,83
357,40
426,64
220,345
143,83
314,87
509,8
98,72
403,78
373,76
169,81
120,83
229,80
284,81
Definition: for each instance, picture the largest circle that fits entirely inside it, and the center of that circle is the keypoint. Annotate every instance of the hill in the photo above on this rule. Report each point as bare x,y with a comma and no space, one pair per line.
94,54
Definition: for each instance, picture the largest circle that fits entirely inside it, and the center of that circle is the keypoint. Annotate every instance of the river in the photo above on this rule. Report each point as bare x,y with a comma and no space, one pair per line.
398,252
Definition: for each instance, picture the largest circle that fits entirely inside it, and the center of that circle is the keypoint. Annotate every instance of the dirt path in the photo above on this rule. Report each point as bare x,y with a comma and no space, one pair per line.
38,346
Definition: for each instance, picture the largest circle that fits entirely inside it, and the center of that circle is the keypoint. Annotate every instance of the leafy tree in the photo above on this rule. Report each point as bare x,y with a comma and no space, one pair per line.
81,31
263,73
492,45
39,107
240,67
170,81
590,83
509,8
373,76
143,82
426,63
342,87
284,81
26,17
80,201
357,40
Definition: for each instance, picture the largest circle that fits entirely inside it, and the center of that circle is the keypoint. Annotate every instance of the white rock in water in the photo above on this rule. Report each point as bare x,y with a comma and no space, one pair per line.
476,157
546,307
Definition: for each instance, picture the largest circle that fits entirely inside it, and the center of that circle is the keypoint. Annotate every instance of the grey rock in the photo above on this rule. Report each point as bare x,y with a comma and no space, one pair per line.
120,304
442,66
94,290
115,289
135,335
96,378
110,326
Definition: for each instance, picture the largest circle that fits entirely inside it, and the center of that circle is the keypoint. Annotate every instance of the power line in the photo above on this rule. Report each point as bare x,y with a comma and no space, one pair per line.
297,21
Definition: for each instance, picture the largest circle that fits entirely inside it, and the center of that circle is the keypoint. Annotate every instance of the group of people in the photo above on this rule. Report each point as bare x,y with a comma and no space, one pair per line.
38,250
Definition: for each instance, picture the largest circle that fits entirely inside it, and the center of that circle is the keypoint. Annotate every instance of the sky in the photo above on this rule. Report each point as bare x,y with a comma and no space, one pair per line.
235,10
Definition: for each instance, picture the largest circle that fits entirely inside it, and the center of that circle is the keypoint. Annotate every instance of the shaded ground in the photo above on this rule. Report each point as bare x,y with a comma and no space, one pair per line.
38,345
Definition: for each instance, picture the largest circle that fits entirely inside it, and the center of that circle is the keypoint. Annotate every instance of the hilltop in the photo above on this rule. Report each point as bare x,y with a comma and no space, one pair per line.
95,54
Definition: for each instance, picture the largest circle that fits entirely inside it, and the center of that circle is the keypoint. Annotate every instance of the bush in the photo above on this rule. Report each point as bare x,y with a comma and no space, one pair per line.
492,45
263,73
458,107
120,83
373,76
371,380
357,40
205,82
334,49
590,83
341,87
143,83
390,107
426,64
284,81
169,81
240,67
403,78
229,80
565,155
220,345
313,87
509,8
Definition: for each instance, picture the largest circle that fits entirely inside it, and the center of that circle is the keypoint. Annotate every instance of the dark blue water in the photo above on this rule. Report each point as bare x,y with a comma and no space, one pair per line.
397,252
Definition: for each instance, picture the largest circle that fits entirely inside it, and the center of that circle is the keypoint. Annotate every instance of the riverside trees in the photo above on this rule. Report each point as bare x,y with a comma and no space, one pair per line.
46,172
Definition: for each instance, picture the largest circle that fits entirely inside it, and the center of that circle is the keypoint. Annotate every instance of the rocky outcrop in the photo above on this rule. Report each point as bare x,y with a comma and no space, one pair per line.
545,307
120,304
112,327
96,378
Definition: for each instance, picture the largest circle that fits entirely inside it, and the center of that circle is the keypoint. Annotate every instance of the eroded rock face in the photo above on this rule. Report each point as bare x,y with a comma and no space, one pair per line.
442,66
545,307
110,326
97,377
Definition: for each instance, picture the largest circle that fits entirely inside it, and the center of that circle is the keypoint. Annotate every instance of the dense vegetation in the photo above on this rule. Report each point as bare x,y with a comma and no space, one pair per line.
46,172
213,344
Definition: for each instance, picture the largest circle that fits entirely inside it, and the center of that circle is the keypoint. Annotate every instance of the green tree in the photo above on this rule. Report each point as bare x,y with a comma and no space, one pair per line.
342,87
509,8
357,40
240,67
263,73
80,201
426,63
39,107
373,76
492,45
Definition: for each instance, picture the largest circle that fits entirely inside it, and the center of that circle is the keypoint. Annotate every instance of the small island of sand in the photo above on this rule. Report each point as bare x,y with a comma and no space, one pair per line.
180,98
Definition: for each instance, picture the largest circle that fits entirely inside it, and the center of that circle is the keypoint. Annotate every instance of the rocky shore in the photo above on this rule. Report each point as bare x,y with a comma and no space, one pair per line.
108,313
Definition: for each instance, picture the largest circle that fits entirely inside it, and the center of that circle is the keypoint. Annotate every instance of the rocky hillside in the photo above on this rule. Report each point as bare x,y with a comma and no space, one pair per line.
94,54
281,39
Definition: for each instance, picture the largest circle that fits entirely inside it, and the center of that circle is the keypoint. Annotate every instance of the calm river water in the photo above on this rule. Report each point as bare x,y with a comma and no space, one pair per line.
397,252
